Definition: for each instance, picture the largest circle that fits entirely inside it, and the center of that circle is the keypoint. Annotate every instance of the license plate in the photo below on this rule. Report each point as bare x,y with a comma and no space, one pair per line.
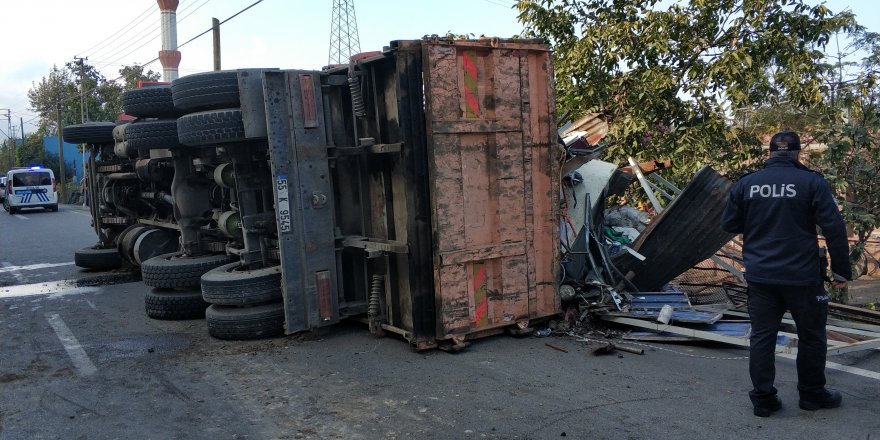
283,207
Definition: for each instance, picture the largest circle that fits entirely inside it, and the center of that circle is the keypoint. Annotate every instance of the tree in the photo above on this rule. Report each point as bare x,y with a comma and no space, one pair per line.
670,81
131,75
54,93
851,130
83,93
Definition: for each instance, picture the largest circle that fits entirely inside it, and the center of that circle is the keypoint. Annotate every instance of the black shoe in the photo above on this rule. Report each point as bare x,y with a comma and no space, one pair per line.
830,399
764,409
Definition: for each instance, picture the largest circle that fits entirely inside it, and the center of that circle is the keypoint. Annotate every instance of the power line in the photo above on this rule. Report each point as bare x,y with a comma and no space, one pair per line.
181,45
205,32
127,26
135,39
145,26
149,39
498,3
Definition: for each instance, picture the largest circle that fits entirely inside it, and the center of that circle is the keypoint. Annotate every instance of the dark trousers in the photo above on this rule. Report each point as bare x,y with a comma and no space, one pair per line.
809,308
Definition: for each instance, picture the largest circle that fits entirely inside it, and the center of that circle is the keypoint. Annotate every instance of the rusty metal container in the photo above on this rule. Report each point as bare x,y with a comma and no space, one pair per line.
493,183
446,176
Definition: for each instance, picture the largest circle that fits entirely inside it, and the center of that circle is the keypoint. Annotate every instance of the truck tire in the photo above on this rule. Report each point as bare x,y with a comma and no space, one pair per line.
96,258
152,135
89,133
233,285
205,91
175,270
174,304
149,102
243,323
211,127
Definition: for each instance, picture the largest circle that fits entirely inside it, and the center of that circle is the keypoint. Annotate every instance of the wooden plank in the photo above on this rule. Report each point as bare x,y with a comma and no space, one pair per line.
855,346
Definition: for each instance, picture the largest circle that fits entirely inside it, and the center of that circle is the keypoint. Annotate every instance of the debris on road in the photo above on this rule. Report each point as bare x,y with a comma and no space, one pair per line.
665,272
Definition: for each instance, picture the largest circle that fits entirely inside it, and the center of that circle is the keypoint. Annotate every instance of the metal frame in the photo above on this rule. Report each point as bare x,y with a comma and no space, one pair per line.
834,347
303,197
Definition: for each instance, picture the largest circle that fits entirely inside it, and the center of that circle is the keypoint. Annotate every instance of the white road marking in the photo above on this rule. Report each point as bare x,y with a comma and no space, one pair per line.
91,304
20,216
7,268
81,213
51,289
840,367
80,359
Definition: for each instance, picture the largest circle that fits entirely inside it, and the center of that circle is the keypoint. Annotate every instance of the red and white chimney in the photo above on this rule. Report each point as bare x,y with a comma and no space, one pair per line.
169,56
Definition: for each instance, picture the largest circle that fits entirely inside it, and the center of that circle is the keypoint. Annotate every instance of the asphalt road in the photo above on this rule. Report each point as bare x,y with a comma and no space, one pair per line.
86,363
38,245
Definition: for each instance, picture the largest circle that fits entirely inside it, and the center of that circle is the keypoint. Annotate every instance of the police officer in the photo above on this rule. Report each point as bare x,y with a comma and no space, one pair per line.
777,210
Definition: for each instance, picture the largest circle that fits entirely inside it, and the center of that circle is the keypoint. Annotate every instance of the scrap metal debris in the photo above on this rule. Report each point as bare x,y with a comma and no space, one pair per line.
662,272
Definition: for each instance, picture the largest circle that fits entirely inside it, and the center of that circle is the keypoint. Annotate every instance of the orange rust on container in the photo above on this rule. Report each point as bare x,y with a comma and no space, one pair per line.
309,106
494,175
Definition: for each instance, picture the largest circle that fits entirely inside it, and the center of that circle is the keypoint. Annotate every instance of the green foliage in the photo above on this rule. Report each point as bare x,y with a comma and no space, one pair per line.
28,154
130,76
668,80
82,93
852,161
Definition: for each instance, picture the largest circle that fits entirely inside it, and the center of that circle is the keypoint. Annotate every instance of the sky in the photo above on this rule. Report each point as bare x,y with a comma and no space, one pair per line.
274,33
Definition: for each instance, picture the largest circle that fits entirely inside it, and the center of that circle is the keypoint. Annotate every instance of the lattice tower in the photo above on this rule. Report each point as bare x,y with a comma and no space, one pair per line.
344,40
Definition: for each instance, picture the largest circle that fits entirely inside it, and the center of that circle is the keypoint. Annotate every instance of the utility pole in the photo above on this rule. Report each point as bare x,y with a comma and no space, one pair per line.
58,132
61,178
83,110
9,133
215,25
14,155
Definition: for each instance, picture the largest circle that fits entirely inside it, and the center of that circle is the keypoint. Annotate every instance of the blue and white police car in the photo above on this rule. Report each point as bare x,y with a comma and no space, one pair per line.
33,187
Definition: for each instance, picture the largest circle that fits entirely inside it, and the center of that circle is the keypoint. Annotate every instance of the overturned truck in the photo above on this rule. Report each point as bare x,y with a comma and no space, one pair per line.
437,159
415,188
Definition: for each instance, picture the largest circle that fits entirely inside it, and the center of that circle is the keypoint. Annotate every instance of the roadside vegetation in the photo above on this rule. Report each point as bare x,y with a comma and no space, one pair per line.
58,94
708,81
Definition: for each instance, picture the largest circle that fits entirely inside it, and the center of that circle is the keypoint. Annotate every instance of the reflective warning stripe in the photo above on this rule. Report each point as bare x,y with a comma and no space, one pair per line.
27,196
472,105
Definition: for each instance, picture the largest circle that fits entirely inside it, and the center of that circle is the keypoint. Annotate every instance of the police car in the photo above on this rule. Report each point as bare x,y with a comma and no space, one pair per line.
33,187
